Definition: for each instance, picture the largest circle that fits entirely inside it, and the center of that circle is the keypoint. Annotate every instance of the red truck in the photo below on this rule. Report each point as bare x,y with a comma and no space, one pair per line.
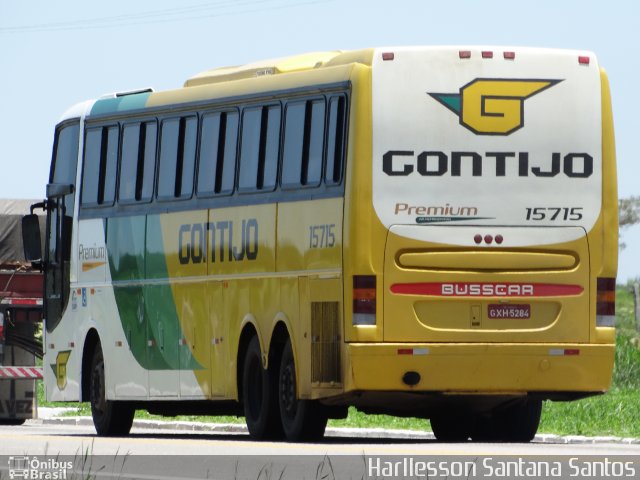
21,287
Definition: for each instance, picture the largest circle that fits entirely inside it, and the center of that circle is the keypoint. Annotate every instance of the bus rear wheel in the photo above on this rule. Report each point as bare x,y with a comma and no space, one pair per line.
302,420
515,423
259,396
451,426
110,418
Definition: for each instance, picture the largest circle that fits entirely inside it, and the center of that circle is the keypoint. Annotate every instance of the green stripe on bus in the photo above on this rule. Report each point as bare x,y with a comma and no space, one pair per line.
120,104
147,312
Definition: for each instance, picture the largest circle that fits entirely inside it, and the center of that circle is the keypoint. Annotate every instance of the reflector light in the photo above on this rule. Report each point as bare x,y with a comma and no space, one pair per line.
564,352
509,55
488,239
465,53
413,351
386,56
364,299
487,54
499,239
606,302
584,60
478,239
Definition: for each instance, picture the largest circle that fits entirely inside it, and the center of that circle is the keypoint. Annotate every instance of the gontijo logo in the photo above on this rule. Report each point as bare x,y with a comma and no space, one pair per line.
492,106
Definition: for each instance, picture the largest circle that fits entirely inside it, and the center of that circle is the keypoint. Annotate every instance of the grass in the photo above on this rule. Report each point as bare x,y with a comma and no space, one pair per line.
617,413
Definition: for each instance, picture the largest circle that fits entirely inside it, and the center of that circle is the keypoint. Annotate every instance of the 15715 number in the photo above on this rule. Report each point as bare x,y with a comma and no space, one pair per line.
554,213
322,236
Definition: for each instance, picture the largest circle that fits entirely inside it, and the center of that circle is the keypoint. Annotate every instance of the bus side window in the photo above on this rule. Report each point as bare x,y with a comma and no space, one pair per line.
177,158
218,146
137,163
100,166
336,140
145,179
260,148
129,162
303,144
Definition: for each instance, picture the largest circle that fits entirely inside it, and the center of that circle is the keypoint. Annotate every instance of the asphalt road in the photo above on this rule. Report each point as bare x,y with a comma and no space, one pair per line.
155,451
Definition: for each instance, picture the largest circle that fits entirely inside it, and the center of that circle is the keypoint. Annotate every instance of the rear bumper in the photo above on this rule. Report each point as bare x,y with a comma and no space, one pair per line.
481,368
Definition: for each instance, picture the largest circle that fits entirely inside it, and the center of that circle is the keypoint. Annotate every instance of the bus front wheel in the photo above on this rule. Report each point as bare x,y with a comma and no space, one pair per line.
301,419
110,418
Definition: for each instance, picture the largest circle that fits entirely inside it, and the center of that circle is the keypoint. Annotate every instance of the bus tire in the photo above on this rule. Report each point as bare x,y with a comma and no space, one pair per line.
485,429
13,422
520,422
302,420
451,426
259,396
110,418
516,423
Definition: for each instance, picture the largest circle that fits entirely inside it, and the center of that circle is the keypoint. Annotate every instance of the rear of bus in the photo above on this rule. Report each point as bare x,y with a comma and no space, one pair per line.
484,259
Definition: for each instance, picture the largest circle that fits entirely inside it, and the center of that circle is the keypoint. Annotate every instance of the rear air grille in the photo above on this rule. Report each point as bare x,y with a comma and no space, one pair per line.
325,342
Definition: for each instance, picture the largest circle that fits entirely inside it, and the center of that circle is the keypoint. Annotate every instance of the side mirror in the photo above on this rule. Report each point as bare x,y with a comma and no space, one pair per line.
31,240
57,190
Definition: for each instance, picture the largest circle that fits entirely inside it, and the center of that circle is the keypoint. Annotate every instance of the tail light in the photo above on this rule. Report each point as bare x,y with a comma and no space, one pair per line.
364,299
1,327
606,303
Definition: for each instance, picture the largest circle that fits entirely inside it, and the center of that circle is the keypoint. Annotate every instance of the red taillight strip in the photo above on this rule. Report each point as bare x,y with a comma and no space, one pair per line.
469,289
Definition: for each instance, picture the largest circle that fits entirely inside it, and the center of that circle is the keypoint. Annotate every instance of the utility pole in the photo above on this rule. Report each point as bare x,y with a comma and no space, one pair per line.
636,303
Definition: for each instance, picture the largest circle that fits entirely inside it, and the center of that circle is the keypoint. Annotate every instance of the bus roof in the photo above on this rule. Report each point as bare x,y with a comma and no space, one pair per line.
307,61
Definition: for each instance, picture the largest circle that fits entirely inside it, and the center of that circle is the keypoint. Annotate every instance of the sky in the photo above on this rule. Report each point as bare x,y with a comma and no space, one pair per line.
54,54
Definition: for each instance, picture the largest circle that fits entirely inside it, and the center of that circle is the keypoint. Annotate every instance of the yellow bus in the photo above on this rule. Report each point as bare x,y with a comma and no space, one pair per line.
418,231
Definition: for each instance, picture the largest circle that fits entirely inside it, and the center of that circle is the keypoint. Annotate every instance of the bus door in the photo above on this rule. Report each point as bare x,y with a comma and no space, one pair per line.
61,200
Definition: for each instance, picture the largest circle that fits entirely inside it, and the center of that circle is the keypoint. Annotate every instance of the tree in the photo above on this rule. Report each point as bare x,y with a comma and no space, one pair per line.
628,212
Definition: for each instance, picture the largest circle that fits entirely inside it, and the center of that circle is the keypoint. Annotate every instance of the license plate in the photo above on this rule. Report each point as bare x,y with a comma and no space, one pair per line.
509,311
